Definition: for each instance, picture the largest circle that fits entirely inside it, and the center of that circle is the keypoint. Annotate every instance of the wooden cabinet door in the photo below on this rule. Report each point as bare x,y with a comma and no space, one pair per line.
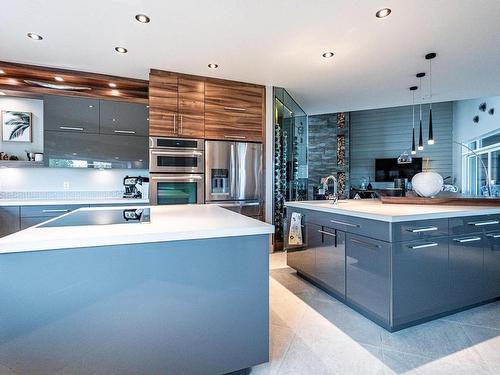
233,111
163,105
191,121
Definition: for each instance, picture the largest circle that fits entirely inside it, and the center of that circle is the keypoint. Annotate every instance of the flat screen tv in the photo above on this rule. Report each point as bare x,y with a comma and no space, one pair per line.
386,170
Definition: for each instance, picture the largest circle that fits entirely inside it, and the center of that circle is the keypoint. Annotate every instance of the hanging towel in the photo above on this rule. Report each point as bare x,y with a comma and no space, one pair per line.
295,233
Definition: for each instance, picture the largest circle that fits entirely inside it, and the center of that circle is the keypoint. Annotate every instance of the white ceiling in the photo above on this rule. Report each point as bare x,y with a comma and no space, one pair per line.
273,42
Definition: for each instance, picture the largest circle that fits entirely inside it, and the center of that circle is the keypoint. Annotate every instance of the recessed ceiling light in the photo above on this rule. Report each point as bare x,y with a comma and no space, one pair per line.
59,79
115,92
34,36
121,49
213,66
2,93
382,13
2,71
327,55
142,18
111,84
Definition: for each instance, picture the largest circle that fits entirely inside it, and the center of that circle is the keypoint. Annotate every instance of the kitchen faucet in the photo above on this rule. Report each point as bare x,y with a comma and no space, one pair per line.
334,198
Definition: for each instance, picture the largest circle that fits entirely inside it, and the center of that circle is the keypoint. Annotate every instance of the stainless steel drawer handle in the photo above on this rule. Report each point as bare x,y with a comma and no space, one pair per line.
125,131
493,235
235,136
424,245
481,223
367,244
71,128
469,239
177,153
419,230
55,210
234,109
344,223
327,233
170,178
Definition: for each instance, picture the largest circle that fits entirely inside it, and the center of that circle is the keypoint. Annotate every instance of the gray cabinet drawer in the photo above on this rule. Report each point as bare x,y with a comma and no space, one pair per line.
9,220
420,279
47,211
123,118
419,230
368,275
366,227
474,224
492,265
65,113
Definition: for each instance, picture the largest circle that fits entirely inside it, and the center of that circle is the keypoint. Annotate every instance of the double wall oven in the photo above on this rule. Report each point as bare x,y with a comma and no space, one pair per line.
176,169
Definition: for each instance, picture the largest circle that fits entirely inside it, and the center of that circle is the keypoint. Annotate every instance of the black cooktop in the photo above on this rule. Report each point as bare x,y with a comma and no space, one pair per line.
102,217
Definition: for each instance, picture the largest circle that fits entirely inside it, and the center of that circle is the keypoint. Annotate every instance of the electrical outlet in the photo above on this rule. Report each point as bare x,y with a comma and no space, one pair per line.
66,185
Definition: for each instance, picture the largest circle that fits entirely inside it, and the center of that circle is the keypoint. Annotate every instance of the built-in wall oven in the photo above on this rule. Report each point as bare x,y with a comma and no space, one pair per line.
176,169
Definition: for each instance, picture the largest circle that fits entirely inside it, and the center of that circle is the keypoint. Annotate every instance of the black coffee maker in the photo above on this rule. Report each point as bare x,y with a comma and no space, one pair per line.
133,186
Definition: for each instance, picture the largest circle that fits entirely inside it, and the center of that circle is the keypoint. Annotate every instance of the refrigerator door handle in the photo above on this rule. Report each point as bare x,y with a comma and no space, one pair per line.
232,172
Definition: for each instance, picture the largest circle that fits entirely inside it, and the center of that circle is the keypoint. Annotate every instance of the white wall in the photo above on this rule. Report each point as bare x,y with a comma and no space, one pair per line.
465,130
34,106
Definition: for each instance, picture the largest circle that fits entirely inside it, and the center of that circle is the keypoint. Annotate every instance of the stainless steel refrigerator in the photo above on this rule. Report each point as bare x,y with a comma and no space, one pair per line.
233,176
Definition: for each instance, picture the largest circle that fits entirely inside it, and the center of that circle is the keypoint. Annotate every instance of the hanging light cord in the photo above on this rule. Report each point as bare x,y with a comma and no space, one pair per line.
413,107
421,99
430,83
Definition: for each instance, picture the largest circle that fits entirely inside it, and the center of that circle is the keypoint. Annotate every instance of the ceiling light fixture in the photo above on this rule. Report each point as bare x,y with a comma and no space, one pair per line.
430,56
420,137
111,84
142,18
59,79
121,49
213,66
413,149
2,71
34,36
327,55
382,13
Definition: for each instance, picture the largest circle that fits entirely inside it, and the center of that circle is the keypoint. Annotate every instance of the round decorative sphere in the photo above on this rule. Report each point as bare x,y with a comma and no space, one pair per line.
427,184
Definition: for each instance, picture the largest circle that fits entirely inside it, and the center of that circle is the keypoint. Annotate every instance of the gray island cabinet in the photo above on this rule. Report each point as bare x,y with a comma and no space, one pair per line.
399,266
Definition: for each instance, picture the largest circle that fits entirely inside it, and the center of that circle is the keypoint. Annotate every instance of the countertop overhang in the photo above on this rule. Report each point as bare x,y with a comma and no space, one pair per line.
376,210
168,223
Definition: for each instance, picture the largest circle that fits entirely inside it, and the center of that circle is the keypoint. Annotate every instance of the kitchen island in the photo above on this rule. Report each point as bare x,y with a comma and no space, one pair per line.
186,293
399,265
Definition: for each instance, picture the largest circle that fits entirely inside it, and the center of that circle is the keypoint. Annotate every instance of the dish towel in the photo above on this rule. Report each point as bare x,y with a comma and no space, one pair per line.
295,233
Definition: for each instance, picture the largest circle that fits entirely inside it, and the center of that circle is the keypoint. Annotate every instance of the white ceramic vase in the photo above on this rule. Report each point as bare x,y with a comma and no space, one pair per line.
427,184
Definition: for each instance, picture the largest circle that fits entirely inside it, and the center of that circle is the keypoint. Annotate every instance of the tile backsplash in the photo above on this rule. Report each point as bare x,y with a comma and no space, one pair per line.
62,195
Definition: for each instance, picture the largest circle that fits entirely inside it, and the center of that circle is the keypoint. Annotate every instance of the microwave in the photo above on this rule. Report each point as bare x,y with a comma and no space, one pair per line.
176,155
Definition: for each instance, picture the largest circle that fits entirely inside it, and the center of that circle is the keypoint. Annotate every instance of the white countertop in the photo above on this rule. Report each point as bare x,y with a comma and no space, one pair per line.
168,223
58,202
374,209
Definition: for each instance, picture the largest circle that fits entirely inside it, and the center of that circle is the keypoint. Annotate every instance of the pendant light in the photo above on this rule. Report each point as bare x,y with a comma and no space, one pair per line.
420,137
413,149
429,57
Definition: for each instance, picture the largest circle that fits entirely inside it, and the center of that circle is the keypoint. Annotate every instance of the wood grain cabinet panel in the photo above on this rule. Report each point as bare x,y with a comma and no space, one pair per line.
191,108
233,111
163,105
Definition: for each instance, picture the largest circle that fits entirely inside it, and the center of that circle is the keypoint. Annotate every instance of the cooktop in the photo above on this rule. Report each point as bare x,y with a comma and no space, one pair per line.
102,217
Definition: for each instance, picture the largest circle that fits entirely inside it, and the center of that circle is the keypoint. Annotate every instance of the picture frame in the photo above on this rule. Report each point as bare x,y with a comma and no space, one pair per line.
17,126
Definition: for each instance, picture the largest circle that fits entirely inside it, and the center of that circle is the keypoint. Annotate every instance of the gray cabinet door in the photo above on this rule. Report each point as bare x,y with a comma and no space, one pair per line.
303,258
123,118
65,113
492,265
74,150
466,269
9,220
368,270
330,260
420,279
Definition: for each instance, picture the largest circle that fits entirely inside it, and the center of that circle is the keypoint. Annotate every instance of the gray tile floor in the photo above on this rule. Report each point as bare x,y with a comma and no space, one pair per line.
313,333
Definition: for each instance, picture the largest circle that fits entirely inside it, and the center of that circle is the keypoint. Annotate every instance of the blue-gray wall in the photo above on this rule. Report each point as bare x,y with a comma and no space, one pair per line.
386,132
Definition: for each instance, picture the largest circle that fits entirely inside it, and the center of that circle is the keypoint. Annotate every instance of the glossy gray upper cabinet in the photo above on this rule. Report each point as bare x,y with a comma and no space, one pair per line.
330,260
368,276
492,265
420,279
9,220
101,151
123,118
71,114
466,269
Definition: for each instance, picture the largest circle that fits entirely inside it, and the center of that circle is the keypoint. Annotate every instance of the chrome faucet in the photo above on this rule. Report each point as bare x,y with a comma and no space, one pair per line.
335,197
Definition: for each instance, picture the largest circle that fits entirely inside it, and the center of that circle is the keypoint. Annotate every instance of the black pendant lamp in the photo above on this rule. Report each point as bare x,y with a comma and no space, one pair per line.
420,137
413,148
429,57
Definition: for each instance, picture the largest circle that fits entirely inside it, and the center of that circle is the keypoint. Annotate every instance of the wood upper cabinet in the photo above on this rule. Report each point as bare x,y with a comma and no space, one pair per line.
176,106
234,111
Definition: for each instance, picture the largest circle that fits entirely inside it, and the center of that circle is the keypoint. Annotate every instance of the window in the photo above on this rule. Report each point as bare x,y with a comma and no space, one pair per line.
477,165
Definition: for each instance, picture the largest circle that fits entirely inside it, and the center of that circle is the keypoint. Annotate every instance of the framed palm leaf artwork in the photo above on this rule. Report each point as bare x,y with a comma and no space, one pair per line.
16,126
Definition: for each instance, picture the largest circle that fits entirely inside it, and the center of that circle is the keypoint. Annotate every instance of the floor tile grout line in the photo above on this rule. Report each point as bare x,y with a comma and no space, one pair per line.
286,353
473,346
